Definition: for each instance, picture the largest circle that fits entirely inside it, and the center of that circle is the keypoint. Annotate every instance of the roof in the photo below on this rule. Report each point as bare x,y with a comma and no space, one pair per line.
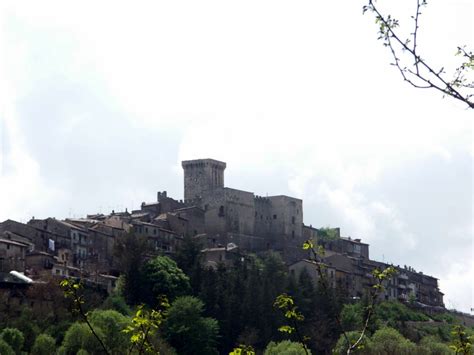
33,253
11,242
188,208
351,240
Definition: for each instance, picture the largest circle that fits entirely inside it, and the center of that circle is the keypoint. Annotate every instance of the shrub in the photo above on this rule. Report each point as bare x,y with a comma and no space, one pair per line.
44,345
14,338
285,347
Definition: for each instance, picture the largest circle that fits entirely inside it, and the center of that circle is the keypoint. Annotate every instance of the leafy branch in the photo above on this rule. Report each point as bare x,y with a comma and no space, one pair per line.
72,291
287,305
414,68
144,324
462,343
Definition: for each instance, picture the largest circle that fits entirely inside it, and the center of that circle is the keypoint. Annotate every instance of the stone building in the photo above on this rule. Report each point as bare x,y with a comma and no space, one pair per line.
252,222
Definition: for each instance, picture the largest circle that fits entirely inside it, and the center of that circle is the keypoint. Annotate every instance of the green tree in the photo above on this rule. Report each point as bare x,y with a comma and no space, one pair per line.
5,349
130,251
188,257
352,316
117,303
388,341
111,324
161,276
14,338
187,330
78,337
285,347
342,345
431,345
44,345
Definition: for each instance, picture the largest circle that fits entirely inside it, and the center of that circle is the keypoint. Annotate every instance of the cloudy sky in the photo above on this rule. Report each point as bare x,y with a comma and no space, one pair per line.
100,101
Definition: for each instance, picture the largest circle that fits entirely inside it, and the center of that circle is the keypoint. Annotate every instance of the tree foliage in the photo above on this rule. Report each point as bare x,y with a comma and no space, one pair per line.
44,345
162,276
14,338
187,330
286,347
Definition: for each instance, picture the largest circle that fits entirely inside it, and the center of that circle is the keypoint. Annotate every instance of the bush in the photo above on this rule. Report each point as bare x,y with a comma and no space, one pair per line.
5,349
352,316
43,345
342,345
117,303
14,338
111,323
393,312
430,345
388,341
285,347
78,337
187,330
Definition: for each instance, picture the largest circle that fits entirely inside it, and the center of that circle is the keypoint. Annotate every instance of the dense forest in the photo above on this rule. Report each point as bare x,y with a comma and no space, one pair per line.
213,311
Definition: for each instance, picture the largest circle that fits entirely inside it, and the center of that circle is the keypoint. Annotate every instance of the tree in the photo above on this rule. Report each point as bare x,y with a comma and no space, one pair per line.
5,349
161,276
388,341
111,324
187,330
343,344
430,345
414,68
78,337
285,347
188,257
44,345
352,316
14,338
130,251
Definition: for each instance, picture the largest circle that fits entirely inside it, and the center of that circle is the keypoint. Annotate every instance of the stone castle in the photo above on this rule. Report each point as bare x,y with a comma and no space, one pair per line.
251,222
227,223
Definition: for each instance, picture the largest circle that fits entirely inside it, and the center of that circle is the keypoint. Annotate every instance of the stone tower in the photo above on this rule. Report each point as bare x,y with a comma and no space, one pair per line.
201,176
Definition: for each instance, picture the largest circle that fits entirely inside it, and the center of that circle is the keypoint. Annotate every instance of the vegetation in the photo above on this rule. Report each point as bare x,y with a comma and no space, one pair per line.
252,306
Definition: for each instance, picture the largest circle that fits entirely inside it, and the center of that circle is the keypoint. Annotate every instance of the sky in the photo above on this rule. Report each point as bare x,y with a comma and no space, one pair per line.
101,101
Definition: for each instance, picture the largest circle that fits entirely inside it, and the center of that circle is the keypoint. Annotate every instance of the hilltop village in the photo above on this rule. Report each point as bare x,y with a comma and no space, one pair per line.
227,223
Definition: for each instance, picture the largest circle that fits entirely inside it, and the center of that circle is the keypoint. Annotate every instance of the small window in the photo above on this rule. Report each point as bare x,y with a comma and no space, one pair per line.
221,211
293,234
274,216
293,220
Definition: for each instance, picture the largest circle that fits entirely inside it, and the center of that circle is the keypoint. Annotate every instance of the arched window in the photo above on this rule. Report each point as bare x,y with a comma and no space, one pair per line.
221,211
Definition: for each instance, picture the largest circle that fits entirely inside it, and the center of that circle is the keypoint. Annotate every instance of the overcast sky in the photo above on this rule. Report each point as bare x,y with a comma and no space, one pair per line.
100,101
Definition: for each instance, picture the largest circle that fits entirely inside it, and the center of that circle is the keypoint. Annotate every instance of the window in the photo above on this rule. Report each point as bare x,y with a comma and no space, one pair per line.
221,211
274,216
293,220
293,234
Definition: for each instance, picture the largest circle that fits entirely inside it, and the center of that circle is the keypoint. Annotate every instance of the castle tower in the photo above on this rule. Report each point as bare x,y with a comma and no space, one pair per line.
202,175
